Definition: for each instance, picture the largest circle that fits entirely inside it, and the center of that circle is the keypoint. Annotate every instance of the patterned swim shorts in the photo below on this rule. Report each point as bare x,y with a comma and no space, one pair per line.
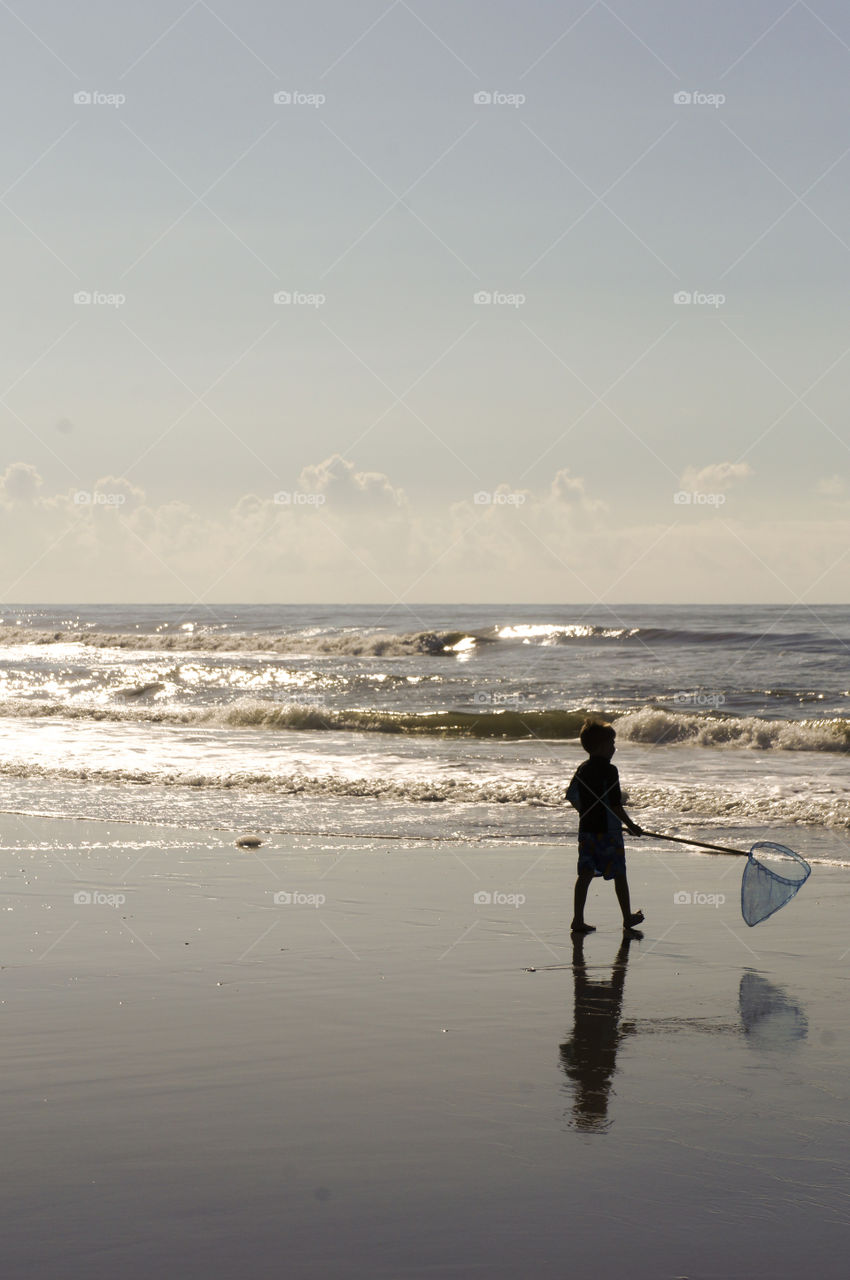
602,854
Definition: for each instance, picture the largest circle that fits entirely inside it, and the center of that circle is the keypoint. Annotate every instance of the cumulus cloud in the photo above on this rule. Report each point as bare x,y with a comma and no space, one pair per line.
343,486
119,492
715,478
549,546
20,484
570,490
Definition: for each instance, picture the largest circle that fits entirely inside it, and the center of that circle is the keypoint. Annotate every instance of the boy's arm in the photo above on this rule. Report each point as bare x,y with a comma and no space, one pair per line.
630,826
573,792
615,804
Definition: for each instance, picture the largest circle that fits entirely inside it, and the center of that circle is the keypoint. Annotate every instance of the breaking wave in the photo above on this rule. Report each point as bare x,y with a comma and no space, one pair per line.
375,642
648,725
352,644
248,713
665,728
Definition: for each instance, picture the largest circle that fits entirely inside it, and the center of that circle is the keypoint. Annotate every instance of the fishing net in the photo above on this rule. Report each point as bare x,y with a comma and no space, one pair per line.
772,876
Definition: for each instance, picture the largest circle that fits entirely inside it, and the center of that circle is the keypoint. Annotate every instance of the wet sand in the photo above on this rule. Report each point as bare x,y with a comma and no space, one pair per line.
367,1080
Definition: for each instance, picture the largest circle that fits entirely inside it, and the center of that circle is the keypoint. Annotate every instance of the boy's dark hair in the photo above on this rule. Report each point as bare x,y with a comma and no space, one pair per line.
594,734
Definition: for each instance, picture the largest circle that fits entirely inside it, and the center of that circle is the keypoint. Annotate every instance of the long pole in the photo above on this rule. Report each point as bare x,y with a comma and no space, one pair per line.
717,848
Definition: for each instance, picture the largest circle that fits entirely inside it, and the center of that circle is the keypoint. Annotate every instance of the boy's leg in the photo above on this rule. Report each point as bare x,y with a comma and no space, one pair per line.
630,918
579,899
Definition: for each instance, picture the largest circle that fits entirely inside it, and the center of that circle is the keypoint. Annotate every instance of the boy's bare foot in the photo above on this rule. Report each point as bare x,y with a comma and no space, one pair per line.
581,927
634,919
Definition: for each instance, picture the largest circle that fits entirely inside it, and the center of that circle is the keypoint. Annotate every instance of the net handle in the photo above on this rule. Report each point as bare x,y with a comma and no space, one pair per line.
700,844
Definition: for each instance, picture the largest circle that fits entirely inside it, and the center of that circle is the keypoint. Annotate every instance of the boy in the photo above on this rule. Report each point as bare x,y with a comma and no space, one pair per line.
595,792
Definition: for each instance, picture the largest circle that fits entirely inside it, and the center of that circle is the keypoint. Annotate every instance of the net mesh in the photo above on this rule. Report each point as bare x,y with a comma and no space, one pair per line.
772,876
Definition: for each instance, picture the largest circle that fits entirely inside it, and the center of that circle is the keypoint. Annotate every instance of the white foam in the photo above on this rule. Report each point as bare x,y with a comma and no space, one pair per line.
658,727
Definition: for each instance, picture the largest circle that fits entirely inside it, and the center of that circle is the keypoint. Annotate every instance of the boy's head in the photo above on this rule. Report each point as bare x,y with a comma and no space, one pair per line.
597,738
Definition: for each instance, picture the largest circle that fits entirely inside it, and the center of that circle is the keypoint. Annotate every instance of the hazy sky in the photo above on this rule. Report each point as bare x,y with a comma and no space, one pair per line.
430,151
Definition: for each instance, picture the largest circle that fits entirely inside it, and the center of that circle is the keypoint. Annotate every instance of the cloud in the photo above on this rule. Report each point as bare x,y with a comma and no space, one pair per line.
367,542
715,478
570,490
20,484
120,492
343,486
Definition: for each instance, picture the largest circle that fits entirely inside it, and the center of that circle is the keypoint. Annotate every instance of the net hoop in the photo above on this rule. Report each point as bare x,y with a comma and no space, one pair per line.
786,852
756,904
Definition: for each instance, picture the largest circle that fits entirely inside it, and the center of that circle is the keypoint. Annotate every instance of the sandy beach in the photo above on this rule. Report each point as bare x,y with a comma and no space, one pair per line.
377,1075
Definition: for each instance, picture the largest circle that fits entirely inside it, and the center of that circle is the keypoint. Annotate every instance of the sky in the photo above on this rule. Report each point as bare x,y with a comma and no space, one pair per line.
425,300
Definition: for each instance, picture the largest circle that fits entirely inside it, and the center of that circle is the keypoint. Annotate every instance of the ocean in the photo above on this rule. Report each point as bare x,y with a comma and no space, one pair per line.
455,722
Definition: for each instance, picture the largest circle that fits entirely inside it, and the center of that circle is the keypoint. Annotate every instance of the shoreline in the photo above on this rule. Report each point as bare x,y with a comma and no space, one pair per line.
809,840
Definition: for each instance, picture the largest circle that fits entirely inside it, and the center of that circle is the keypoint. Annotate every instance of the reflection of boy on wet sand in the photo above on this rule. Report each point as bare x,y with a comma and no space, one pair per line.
589,1057
770,1020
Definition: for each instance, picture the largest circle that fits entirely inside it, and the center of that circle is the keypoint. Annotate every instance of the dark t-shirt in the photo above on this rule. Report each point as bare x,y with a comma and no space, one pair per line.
596,785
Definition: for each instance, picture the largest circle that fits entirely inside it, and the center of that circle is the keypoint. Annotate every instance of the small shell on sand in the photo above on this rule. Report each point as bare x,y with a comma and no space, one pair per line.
248,842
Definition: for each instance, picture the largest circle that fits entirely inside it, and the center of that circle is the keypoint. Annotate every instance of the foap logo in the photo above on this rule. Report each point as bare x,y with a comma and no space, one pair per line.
698,699
686,298
483,898
684,498
501,498
287,298
295,98
94,98
696,899
294,498
696,99
496,298
495,98
96,498
294,898
484,699
94,298
95,898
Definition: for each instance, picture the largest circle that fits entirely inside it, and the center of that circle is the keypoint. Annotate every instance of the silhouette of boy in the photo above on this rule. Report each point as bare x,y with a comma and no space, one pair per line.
595,792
